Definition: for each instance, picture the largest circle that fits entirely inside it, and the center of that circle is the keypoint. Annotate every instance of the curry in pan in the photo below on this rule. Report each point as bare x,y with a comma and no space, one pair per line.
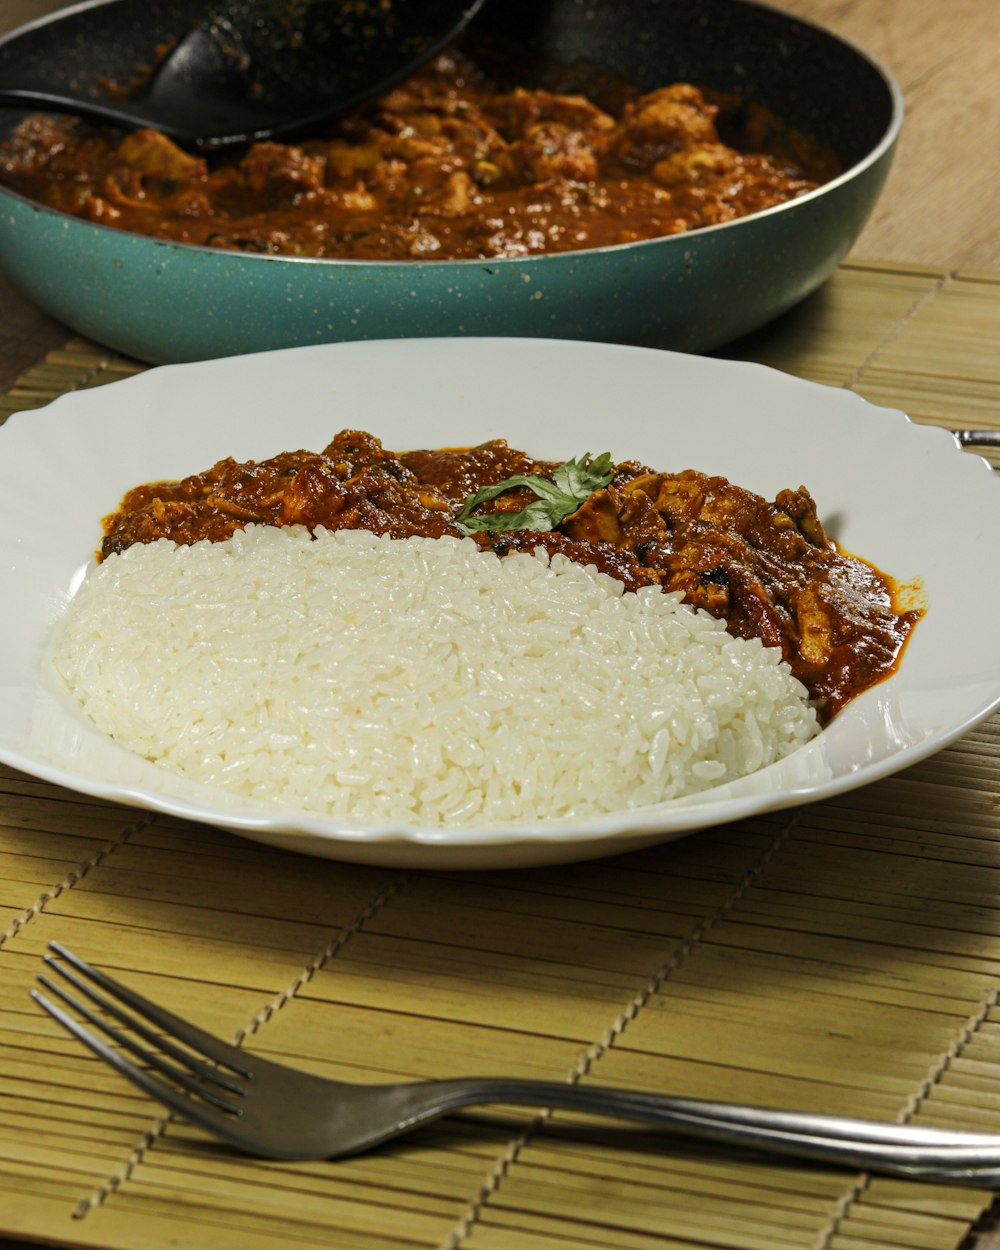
446,166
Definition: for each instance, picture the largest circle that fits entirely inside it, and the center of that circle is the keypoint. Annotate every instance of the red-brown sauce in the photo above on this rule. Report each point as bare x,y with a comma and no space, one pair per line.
445,166
767,568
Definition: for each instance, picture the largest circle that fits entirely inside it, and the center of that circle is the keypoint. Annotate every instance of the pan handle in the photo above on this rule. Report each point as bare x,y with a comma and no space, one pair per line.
978,438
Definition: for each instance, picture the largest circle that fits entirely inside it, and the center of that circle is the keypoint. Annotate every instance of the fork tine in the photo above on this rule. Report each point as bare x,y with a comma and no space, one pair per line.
190,1034
152,1058
206,1071
197,1113
189,1059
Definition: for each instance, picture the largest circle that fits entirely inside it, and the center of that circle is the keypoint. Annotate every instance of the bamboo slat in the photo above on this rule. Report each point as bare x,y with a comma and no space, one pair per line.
844,956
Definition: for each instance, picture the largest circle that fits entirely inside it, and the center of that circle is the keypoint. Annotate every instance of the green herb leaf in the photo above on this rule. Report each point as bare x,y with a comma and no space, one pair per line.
571,485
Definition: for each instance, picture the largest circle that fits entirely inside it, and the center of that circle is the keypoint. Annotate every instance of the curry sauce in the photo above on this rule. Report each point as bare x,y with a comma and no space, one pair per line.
767,568
445,166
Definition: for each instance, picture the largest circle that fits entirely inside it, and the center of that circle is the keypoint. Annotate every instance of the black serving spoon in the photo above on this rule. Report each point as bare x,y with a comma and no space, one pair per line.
215,73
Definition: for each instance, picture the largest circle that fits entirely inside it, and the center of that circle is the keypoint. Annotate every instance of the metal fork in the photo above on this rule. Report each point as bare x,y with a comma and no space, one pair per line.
274,1111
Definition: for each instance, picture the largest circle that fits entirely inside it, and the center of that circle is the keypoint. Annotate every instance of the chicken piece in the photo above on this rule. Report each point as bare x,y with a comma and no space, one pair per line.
679,494
595,521
692,166
353,450
378,502
355,454
659,125
471,134
412,146
640,523
154,155
282,167
372,491
721,573
800,506
35,142
125,188
458,195
358,199
347,160
628,520
814,626
787,527
127,193
552,150
457,474
742,559
515,113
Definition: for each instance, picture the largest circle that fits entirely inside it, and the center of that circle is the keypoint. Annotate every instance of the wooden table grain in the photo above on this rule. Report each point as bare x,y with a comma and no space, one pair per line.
939,207
940,202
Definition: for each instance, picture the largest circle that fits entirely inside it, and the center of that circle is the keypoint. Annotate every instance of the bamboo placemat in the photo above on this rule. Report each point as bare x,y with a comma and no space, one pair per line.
843,956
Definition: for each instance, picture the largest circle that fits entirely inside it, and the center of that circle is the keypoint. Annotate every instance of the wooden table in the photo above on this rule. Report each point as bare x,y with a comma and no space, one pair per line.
934,231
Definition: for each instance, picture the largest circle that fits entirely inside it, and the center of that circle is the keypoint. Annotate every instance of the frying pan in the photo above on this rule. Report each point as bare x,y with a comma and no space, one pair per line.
166,302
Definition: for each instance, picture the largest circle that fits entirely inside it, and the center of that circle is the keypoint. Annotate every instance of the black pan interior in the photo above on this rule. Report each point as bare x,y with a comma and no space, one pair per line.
807,76
811,79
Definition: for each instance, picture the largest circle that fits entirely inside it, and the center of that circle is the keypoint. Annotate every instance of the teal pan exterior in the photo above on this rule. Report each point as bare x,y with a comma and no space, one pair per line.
163,302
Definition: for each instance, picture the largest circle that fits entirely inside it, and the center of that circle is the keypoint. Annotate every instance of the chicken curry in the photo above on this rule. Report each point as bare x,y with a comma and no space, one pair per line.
767,568
445,166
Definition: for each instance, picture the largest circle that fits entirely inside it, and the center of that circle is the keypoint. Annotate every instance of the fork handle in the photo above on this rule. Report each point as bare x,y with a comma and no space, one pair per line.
900,1149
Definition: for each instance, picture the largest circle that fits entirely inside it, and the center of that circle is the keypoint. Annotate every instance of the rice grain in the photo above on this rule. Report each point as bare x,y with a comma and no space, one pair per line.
418,681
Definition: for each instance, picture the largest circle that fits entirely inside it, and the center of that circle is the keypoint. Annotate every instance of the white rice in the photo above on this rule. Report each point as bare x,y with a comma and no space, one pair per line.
418,681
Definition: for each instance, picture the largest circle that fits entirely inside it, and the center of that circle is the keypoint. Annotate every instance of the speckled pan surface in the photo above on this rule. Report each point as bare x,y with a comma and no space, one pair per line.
165,302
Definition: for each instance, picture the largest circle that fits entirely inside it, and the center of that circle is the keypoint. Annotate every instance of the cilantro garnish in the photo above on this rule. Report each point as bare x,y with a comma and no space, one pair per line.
571,485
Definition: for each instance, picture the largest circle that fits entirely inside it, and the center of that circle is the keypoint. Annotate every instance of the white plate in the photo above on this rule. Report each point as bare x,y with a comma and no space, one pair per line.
904,496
